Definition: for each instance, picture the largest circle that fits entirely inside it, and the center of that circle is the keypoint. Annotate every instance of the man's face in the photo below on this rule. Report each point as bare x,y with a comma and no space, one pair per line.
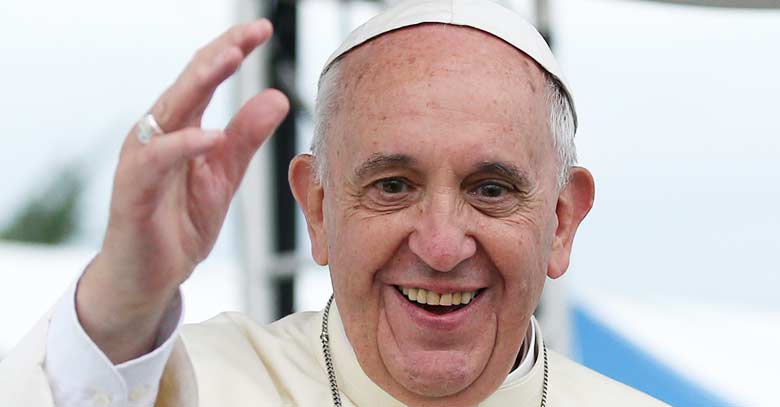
442,177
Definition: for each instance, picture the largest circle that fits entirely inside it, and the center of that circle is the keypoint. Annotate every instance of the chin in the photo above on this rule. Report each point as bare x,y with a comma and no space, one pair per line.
433,374
436,383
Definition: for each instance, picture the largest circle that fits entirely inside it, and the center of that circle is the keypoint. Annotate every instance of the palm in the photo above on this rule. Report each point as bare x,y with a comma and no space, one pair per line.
205,199
200,206
193,211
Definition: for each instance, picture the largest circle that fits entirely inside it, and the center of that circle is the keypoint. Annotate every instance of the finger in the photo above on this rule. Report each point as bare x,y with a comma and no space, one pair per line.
166,151
249,128
246,36
183,103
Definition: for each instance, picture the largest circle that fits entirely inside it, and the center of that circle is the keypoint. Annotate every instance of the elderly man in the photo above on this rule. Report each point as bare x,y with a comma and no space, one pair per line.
441,193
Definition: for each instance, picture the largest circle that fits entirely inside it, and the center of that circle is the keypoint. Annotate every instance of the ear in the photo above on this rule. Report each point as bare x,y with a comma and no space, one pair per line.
309,195
574,202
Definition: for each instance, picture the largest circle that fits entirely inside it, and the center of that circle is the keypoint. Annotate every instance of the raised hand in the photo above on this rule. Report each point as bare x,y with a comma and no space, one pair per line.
170,197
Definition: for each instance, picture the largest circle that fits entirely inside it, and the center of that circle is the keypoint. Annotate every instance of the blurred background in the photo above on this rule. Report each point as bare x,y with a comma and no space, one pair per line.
674,278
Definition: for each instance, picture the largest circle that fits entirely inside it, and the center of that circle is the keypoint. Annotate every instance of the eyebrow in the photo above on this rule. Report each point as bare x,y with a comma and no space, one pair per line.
506,169
378,162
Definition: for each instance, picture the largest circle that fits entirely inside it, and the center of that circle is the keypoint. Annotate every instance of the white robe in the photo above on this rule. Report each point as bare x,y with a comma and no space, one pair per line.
231,360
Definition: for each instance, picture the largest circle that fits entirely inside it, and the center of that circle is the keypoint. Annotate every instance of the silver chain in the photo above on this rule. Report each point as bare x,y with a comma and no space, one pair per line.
334,387
546,377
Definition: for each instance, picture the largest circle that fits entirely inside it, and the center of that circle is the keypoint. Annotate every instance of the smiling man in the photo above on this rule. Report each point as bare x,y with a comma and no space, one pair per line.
441,193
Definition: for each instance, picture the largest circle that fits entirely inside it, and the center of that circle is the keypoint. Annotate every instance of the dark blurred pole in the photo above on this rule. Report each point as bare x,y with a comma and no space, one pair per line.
283,14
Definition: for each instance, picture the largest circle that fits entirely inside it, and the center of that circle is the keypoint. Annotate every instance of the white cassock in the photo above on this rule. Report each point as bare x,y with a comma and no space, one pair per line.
233,361
282,364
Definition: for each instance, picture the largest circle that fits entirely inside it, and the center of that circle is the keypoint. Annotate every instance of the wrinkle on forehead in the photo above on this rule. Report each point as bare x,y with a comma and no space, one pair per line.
403,63
428,49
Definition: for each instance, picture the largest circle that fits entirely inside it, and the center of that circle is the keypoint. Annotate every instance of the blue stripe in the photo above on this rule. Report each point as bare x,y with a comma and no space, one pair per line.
607,352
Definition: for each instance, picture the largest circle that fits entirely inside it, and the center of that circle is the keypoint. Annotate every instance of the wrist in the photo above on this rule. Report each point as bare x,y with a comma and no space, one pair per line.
121,284
120,318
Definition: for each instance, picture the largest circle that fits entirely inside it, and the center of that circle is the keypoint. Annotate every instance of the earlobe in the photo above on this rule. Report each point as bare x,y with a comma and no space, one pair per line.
310,195
574,203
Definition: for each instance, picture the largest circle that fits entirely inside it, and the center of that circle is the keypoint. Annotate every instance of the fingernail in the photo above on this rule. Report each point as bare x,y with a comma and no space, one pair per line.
265,24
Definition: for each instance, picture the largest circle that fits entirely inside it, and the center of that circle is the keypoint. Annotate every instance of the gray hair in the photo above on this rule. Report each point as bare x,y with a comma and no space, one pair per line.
560,119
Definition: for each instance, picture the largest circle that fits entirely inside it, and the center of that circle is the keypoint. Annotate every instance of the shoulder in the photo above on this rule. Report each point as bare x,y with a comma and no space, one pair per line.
574,384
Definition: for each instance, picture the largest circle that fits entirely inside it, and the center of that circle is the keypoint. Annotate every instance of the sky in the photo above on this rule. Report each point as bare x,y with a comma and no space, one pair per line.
678,107
76,75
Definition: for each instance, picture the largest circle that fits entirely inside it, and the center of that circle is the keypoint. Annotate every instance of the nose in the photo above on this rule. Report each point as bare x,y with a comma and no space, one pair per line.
440,236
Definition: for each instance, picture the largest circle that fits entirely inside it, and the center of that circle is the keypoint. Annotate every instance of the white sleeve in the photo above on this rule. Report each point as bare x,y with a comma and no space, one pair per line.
80,374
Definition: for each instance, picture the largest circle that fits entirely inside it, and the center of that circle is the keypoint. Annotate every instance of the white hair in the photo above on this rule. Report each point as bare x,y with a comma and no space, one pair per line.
562,127
560,120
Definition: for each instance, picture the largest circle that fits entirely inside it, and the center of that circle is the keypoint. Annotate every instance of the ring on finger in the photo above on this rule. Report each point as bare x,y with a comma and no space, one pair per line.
147,128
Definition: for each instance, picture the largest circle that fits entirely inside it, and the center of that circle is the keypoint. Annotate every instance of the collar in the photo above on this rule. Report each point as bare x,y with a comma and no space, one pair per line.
522,387
527,359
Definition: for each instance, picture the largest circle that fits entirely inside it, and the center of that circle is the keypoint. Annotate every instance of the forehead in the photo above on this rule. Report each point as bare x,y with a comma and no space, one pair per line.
436,42
449,87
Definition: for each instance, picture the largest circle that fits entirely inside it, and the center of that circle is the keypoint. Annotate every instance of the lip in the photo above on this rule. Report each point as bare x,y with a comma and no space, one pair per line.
451,321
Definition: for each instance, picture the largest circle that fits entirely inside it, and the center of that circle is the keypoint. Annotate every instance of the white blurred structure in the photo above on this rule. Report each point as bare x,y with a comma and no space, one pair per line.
35,276
754,4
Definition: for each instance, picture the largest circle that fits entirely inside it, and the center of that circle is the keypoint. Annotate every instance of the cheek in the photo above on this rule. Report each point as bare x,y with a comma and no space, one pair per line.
520,252
360,244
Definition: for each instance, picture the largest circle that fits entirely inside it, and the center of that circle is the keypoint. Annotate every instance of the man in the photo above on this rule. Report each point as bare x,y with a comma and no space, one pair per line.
441,193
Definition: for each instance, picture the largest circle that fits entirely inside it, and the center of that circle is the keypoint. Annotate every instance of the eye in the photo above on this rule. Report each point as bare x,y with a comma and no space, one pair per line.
391,193
392,186
491,190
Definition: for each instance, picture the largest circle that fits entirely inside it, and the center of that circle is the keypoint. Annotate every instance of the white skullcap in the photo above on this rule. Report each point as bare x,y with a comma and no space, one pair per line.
483,15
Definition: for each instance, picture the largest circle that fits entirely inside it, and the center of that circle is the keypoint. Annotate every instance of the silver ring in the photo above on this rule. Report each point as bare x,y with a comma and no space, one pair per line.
148,128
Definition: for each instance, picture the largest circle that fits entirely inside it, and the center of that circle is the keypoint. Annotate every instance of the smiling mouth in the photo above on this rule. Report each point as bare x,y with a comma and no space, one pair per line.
438,303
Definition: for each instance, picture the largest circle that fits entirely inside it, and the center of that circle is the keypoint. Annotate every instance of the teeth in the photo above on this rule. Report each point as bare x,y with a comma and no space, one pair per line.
412,294
456,298
424,296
